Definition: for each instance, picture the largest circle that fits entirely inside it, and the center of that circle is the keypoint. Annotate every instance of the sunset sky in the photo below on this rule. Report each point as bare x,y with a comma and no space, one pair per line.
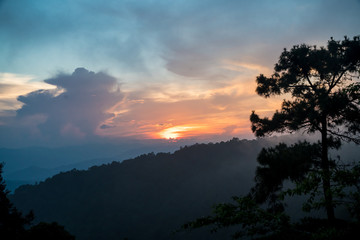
75,71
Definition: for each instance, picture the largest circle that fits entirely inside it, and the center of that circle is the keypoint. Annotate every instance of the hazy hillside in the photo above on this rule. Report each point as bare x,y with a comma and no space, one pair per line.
34,164
146,197
151,195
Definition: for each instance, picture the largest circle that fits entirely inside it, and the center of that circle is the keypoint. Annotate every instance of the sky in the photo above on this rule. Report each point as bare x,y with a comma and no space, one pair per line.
78,71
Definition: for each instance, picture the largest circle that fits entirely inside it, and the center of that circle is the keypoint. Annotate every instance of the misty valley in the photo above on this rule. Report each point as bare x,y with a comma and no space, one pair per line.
152,195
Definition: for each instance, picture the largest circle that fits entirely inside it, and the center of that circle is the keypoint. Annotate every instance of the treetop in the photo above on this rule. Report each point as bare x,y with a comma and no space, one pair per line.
305,68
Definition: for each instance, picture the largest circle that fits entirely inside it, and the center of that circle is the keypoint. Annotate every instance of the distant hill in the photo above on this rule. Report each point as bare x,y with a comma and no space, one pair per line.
34,164
147,197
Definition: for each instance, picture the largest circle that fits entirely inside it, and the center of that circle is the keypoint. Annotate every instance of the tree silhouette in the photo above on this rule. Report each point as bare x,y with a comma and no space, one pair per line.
261,213
325,98
13,223
45,231
280,163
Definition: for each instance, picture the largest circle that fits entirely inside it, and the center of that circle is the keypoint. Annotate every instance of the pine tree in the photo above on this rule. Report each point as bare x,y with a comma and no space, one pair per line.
324,87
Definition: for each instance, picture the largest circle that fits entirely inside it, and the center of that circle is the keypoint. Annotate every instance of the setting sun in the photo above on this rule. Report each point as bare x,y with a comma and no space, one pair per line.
177,132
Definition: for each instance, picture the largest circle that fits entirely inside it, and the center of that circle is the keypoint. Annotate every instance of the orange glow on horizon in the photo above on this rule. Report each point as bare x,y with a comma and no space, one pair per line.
194,112
178,132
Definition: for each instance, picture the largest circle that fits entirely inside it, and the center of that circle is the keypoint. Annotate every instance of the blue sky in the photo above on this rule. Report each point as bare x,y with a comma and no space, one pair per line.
176,68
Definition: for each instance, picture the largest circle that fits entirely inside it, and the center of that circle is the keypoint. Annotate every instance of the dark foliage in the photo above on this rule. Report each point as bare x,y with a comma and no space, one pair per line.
317,229
47,231
250,219
281,163
261,213
147,197
13,225
12,222
325,98
323,84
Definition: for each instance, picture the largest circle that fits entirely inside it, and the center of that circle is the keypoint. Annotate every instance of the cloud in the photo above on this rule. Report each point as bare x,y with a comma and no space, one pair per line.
183,64
157,41
222,112
85,106
196,37
13,85
72,111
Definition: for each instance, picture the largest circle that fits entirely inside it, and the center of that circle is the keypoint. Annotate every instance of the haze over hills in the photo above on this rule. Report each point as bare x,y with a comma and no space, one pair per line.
147,197
33,164
28,165
150,196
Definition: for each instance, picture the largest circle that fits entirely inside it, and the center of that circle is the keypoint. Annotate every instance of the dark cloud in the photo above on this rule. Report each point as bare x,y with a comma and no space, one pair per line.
104,126
72,112
250,32
189,38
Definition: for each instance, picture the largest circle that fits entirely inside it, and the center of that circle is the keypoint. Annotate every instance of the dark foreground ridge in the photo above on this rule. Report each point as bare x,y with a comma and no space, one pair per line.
150,196
147,197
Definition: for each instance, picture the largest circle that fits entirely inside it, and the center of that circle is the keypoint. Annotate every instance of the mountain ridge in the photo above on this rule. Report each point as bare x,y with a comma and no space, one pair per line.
149,196
152,192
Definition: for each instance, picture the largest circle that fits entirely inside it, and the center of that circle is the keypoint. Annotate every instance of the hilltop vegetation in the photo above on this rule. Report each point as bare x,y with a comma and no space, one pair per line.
150,196
147,197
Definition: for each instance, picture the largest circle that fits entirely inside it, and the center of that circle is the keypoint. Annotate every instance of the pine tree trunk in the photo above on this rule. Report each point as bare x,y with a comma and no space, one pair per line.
326,177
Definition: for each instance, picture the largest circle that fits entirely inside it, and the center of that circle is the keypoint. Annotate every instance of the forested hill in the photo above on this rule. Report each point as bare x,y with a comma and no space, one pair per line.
150,196
147,197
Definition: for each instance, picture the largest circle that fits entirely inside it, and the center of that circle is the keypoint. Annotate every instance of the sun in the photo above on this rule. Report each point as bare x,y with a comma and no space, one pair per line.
172,133
175,132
